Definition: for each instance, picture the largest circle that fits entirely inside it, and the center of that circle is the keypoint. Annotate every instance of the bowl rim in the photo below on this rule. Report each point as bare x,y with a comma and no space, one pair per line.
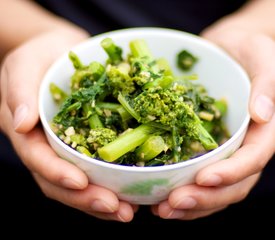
148,30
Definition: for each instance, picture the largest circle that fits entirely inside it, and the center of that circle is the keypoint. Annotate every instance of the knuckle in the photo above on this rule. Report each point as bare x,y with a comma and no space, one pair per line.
260,162
8,75
242,194
231,177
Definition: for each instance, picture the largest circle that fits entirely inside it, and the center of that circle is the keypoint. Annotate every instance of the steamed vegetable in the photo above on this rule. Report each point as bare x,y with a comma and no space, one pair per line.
133,110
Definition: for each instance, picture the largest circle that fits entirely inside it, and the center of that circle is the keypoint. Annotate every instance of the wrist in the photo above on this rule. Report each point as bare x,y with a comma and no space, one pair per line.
38,22
255,17
62,37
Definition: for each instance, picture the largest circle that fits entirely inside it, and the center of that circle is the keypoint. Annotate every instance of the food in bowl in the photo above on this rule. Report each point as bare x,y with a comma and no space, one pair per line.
135,111
223,78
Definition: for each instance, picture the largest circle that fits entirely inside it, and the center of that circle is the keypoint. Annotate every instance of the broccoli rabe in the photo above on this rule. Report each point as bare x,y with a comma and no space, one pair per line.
114,52
58,94
99,137
133,110
84,76
128,141
186,60
119,79
167,106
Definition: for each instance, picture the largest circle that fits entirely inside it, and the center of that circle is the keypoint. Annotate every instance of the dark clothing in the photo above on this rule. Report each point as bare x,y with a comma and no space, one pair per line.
98,16
21,196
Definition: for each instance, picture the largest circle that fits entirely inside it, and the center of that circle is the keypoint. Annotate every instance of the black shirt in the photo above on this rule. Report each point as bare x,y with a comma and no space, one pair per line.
97,16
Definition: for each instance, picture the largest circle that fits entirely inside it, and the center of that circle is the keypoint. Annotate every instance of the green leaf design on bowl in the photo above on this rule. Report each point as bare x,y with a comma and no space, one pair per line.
144,187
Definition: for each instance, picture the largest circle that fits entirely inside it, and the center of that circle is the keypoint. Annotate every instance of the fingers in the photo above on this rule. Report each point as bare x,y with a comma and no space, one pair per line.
193,201
165,211
258,147
22,87
233,178
256,53
39,157
93,200
20,80
207,198
23,70
260,67
65,182
225,182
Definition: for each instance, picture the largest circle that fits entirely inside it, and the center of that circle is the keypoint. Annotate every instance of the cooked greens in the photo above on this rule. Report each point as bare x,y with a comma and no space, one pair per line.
186,60
133,110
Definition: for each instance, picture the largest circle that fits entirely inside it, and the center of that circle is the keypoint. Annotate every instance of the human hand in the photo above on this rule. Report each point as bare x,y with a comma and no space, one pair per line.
229,181
21,73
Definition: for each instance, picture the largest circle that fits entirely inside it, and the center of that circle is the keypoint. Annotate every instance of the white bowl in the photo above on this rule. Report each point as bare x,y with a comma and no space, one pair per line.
217,71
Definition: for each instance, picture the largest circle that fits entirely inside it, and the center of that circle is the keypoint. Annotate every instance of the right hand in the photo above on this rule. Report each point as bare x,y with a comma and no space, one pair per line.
21,73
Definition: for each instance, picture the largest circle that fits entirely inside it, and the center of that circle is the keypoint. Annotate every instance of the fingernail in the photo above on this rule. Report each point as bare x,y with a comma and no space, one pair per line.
101,206
175,214
211,180
186,203
121,218
264,107
20,114
70,183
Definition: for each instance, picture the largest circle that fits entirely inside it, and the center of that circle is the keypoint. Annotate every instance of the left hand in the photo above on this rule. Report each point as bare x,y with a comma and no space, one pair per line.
21,74
230,181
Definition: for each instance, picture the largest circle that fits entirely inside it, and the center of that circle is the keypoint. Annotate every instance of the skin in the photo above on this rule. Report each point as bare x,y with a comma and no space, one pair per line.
20,81
246,35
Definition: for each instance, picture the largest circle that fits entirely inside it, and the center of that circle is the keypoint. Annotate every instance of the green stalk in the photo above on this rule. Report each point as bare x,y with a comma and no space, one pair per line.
84,150
151,148
164,66
163,82
221,105
115,107
176,144
125,116
122,100
126,142
114,52
58,94
96,70
93,118
75,60
139,49
95,122
205,138
195,128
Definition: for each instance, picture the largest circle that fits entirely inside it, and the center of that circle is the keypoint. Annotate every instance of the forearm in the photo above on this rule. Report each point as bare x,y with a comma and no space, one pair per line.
21,20
258,15
248,35
255,16
235,30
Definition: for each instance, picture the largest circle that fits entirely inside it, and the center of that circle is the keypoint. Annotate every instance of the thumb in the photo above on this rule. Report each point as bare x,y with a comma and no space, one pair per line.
25,68
258,58
262,99
256,53
22,81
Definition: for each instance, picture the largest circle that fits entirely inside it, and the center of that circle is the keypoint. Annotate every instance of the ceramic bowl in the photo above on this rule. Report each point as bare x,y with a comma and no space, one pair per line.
218,72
